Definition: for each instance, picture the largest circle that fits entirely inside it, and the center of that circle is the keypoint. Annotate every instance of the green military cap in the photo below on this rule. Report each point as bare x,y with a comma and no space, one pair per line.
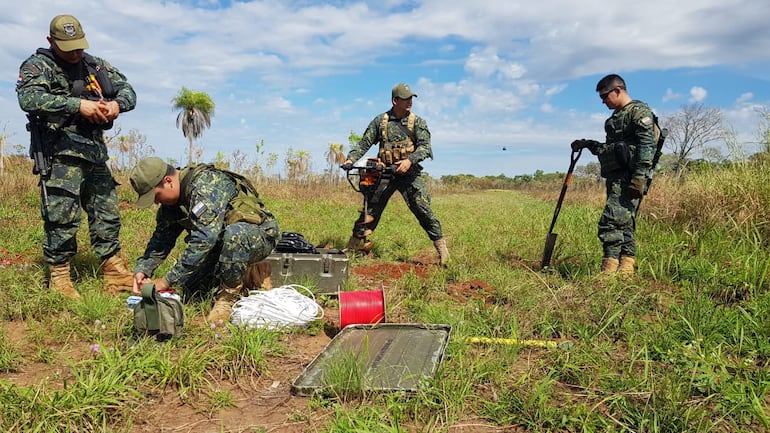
145,177
68,33
402,91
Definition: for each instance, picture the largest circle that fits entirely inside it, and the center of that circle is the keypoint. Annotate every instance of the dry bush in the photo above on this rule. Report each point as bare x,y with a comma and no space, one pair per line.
17,180
738,195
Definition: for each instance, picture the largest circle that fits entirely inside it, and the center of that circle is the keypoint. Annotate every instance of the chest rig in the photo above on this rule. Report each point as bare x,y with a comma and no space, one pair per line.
393,151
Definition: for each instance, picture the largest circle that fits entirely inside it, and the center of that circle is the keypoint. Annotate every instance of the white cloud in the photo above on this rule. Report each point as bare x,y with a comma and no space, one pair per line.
670,95
697,94
744,98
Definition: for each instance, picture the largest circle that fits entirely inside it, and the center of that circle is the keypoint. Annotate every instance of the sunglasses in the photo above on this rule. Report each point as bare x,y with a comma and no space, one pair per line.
607,93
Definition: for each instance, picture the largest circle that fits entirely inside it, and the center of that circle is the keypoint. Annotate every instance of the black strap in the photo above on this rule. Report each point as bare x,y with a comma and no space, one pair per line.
406,130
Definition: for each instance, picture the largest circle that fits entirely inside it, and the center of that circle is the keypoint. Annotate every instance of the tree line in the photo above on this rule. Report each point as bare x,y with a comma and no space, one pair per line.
694,128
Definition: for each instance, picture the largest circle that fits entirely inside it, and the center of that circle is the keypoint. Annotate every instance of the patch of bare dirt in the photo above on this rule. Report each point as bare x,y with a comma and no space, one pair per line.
262,403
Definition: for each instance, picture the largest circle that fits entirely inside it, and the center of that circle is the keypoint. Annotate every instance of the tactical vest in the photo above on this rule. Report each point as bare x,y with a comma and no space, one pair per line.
94,85
615,156
393,151
245,206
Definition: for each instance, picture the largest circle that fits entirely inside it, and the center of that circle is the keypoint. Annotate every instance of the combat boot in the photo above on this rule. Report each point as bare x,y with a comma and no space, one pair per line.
627,264
60,281
258,276
223,303
609,265
443,252
117,276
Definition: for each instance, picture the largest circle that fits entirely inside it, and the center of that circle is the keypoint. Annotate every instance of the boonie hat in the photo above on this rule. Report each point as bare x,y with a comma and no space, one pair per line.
68,33
145,177
402,91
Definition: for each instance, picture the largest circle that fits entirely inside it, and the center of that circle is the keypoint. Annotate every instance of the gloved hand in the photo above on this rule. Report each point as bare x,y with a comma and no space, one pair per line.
347,165
579,144
636,187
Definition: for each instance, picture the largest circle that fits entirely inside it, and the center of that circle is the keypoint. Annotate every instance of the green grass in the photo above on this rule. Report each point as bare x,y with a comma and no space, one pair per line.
682,346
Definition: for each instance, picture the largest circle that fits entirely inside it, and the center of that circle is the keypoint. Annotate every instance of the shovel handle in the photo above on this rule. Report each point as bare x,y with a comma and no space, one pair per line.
567,180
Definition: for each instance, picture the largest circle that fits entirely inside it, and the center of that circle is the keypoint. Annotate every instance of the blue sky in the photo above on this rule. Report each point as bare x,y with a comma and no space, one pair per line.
489,74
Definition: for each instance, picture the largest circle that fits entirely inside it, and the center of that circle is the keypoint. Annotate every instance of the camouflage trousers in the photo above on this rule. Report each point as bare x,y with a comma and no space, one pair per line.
414,189
617,224
240,245
77,185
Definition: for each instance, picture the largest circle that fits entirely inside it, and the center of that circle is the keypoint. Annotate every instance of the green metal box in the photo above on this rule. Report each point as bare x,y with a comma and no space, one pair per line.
327,270
385,357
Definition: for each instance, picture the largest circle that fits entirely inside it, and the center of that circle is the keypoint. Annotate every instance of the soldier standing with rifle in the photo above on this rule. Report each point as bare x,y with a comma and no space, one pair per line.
71,98
404,141
626,161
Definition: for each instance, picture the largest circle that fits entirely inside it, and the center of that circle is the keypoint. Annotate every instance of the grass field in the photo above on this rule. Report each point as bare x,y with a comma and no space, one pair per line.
683,346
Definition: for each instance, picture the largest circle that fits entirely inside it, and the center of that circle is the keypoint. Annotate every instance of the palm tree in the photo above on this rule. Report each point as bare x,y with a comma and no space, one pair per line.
195,111
334,156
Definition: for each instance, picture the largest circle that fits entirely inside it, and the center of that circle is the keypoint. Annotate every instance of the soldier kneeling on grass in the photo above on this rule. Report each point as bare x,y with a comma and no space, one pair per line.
228,230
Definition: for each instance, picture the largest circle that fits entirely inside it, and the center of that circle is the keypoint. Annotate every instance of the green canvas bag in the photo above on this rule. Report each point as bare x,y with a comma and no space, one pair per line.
158,316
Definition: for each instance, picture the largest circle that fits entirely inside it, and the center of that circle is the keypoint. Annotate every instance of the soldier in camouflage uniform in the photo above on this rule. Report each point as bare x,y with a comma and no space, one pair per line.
77,97
228,229
404,141
625,159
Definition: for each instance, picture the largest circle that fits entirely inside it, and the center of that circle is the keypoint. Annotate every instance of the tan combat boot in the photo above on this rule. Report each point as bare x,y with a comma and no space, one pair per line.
627,264
117,276
223,303
609,265
443,252
258,276
60,281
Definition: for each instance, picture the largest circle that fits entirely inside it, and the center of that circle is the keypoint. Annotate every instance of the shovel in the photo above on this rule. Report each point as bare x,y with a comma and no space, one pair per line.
550,239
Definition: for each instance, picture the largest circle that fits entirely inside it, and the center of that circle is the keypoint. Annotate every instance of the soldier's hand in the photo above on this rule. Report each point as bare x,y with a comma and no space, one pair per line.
577,145
92,111
636,187
110,109
347,165
403,166
161,284
139,279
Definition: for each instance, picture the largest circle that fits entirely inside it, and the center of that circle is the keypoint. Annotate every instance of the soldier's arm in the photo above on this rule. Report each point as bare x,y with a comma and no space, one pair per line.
125,96
208,206
370,137
161,242
34,90
422,148
645,139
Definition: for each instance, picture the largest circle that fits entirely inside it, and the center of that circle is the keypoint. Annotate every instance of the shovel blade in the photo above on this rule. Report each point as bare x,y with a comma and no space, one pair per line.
550,242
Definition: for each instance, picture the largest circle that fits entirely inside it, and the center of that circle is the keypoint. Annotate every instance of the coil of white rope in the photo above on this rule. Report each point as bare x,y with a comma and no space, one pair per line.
280,307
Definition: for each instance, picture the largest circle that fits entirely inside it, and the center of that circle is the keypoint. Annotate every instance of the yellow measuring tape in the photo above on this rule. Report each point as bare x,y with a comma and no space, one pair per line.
516,341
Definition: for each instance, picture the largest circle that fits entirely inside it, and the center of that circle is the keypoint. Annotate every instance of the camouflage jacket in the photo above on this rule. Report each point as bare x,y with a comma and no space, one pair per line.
45,88
633,124
373,135
203,203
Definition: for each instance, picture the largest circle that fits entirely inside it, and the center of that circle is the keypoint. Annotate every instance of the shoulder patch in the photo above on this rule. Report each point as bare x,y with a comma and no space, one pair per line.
31,68
198,209
646,120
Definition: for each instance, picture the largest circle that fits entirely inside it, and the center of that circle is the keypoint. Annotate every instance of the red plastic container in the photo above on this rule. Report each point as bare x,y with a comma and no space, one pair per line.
362,307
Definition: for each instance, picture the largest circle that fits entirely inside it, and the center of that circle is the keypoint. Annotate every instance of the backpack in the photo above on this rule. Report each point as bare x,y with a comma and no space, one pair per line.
292,242
161,316
245,206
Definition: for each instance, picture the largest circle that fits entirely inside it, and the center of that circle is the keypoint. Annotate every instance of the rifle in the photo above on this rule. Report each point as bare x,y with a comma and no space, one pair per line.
38,154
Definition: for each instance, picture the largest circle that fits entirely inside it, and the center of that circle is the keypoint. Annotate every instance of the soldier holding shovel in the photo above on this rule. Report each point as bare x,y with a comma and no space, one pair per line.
626,160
